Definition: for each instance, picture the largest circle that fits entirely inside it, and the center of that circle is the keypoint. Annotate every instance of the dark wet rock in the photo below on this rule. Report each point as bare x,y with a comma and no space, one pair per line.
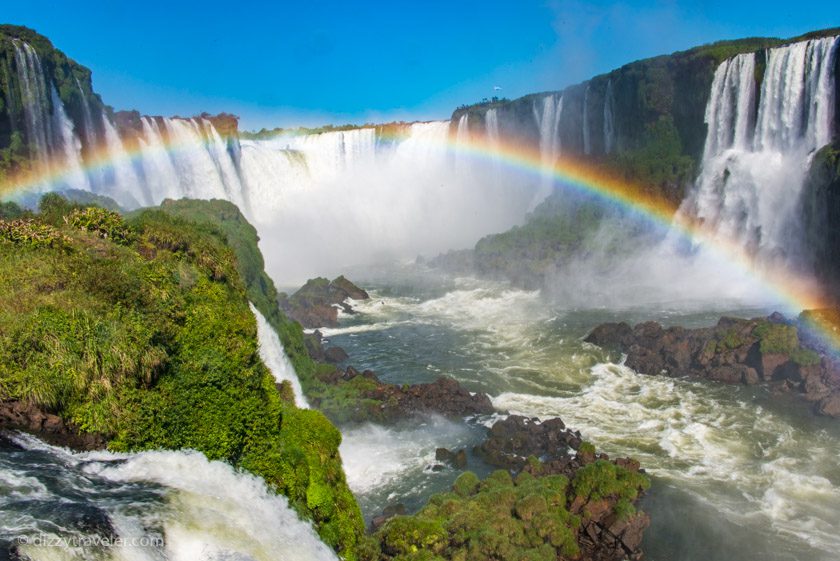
388,512
335,355
769,350
511,441
17,415
316,303
456,459
444,396
314,347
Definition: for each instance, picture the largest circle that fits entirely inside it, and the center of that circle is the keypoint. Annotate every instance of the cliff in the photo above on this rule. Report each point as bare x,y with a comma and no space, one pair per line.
136,333
70,81
643,121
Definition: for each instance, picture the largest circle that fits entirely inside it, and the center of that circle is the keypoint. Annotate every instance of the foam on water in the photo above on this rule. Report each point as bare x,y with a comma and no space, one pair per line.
202,510
714,440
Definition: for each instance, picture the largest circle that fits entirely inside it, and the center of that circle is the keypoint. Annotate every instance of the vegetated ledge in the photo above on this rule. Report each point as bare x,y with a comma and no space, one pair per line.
555,498
772,351
135,333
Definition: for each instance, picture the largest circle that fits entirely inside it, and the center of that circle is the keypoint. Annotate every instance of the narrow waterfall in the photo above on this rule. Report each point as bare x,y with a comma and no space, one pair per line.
36,102
758,150
492,126
274,357
547,113
587,133
609,119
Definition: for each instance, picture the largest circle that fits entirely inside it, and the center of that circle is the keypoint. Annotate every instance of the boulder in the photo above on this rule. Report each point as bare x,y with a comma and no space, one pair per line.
335,355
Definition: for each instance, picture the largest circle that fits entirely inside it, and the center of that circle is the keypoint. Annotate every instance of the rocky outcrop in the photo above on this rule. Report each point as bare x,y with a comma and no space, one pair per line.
735,351
374,400
316,303
17,415
542,448
511,441
582,509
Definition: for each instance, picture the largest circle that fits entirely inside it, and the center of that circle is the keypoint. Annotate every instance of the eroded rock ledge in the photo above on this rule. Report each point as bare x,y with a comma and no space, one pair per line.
735,351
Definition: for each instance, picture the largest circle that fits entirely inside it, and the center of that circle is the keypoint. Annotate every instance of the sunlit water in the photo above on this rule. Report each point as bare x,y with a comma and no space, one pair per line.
737,473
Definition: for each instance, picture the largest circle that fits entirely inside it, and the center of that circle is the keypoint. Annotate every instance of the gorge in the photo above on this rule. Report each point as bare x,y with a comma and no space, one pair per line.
675,189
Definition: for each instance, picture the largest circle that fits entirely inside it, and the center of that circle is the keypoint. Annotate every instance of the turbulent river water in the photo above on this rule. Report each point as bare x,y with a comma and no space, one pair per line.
738,474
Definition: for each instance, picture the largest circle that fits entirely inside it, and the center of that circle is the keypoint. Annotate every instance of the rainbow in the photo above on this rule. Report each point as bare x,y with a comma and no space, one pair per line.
794,292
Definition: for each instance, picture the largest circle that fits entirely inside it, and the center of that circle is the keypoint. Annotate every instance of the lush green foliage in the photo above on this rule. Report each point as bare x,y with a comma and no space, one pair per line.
152,343
104,223
526,518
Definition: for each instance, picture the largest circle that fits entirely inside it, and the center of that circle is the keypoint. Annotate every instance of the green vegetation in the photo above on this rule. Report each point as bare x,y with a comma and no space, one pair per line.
150,341
777,338
526,518
340,400
659,164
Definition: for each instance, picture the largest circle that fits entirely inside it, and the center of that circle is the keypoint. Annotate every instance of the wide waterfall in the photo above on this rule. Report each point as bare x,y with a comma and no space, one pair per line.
328,199
759,145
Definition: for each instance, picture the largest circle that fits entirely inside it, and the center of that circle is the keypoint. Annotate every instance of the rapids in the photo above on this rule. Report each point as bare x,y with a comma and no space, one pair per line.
733,469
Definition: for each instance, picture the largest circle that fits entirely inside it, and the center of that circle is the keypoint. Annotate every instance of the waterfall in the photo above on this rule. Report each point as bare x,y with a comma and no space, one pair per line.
609,119
120,180
797,96
587,135
148,506
492,126
275,358
729,112
547,112
49,130
757,151
35,97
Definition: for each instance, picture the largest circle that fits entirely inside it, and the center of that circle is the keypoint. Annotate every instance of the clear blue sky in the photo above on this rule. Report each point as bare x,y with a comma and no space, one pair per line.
315,61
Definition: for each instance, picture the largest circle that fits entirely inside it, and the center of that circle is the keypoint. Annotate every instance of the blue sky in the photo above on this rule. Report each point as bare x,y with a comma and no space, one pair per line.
312,62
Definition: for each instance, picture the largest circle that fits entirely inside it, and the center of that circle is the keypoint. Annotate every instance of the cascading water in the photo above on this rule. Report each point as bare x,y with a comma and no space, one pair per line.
754,166
326,200
274,357
587,133
145,507
492,125
609,119
48,129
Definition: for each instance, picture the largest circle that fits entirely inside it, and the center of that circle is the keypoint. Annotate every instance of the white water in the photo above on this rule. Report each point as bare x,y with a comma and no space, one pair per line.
275,358
48,127
769,471
609,119
754,167
202,510
336,199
